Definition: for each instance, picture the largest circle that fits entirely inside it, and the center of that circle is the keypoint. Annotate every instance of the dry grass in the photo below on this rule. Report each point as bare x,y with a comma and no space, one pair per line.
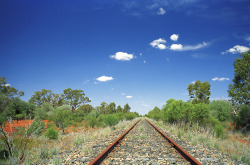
206,136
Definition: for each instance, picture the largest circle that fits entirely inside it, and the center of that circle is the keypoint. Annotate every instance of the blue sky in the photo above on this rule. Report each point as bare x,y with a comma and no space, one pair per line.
141,52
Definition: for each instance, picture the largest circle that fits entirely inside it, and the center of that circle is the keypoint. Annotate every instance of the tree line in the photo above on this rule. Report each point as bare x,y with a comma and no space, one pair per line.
199,108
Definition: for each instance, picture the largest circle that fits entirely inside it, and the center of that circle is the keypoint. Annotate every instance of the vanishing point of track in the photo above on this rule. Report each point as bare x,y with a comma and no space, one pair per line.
143,143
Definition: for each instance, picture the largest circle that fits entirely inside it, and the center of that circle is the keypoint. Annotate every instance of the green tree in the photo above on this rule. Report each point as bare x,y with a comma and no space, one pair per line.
86,108
155,113
7,93
119,109
126,108
199,92
18,109
103,108
75,98
111,108
239,88
41,97
62,117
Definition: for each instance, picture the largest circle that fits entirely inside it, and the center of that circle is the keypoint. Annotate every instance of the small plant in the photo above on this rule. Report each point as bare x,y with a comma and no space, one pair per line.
219,131
51,133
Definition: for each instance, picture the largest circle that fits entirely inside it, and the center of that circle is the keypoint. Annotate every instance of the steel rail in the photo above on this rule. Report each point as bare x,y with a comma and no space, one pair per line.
105,152
184,153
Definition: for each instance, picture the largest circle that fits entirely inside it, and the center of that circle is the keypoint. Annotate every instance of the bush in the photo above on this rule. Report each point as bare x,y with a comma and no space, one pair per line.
200,113
91,118
51,133
130,116
219,131
110,120
220,109
211,120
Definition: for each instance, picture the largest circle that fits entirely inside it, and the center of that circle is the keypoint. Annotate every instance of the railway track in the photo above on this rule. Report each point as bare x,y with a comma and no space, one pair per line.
143,143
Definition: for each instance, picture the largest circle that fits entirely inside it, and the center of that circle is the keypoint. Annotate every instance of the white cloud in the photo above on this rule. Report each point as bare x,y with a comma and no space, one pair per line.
161,11
122,56
144,61
236,49
167,59
7,85
162,46
193,82
194,47
176,47
174,37
179,47
123,94
104,78
159,43
129,97
219,79
140,54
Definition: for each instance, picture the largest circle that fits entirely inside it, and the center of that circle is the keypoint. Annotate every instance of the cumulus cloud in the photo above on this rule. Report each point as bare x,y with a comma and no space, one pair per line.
122,56
174,37
161,11
236,49
219,79
129,97
159,43
176,47
104,78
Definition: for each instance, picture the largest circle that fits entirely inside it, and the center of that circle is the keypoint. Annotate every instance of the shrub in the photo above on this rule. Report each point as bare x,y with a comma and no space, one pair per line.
200,112
220,109
51,133
4,154
219,131
211,120
110,120
130,116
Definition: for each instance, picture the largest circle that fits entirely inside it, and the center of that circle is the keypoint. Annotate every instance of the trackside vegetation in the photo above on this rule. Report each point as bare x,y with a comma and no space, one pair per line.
61,111
223,118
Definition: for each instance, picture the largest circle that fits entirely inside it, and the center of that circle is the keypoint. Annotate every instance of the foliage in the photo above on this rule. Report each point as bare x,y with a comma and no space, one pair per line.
130,115
19,109
86,108
75,98
200,112
239,89
155,113
46,96
177,110
62,117
111,120
220,109
243,118
199,92
126,108
119,109
111,108
91,118
219,131
36,127
51,133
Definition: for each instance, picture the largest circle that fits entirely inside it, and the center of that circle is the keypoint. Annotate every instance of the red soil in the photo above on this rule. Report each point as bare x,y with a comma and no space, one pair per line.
12,127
